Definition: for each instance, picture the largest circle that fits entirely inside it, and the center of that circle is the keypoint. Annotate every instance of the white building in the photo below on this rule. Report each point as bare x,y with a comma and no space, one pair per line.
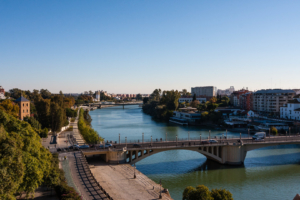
291,110
2,93
209,91
185,116
190,99
98,95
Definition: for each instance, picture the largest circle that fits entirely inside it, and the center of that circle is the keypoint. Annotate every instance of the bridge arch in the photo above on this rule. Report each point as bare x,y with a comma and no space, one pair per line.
212,153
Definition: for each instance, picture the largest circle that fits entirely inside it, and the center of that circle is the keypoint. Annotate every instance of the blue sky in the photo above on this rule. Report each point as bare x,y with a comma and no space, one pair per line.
136,46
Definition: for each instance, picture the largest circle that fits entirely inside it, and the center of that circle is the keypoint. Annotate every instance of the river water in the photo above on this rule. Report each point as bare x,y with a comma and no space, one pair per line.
268,173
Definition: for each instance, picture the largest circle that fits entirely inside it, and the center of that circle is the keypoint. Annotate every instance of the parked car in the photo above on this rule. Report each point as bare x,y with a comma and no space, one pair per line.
85,146
74,147
137,145
213,141
58,149
107,145
205,142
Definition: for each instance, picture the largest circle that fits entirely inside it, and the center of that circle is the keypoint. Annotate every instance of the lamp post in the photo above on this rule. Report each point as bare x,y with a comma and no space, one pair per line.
126,141
166,136
151,140
269,132
248,133
143,137
209,135
226,134
134,176
289,131
176,140
200,138
160,189
119,138
189,135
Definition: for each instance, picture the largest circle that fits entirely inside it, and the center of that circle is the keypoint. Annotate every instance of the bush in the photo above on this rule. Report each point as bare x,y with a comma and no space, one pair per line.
90,135
274,130
201,192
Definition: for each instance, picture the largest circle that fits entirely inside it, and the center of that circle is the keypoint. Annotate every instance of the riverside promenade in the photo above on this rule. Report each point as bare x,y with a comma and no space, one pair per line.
119,181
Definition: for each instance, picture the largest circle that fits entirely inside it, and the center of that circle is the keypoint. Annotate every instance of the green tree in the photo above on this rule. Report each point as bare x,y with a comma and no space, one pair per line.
71,113
43,111
221,194
156,95
34,157
187,191
274,130
139,97
57,118
195,104
200,193
45,94
10,108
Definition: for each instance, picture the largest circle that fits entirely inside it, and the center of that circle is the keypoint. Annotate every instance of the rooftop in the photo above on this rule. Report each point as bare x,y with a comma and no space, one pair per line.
21,99
270,91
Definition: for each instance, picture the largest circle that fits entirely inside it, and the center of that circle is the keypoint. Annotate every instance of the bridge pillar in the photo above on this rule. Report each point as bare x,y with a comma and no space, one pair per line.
116,157
233,154
130,156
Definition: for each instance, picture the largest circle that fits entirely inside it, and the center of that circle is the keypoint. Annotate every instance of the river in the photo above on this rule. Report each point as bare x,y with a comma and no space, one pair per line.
268,173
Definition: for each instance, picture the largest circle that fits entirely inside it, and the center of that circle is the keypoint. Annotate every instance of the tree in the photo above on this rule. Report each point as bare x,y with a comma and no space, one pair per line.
61,93
221,194
187,191
45,93
71,113
194,97
9,107
57,118
145,100
43,111
139,97
24,161
195,104
156,95
274,130
213,100
200,193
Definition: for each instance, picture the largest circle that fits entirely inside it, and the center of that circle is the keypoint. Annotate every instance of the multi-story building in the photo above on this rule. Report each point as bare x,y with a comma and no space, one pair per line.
291,110
98,95
2,93
246,101
209,91
235,97
190,99
226,92
270,101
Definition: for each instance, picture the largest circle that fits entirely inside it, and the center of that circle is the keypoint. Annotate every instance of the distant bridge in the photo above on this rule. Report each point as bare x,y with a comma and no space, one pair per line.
99,105
225,151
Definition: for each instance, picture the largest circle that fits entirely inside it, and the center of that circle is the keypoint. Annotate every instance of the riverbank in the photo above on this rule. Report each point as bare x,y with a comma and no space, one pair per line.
118,181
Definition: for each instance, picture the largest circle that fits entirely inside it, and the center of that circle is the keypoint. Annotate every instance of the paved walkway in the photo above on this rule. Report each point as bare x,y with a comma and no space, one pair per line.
119,183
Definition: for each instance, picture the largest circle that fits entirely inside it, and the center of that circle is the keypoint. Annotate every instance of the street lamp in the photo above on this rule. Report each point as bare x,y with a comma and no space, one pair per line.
134,176
189,135
160,189
209,135
166,136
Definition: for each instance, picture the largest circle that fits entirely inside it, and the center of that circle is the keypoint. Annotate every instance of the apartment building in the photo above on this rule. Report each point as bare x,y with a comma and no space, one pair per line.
235,97
270,101
246,101
291,110
226,92
209,91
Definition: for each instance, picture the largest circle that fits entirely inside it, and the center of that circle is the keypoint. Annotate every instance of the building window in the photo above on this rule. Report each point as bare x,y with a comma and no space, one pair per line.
27,104
27,110
23,104
23,111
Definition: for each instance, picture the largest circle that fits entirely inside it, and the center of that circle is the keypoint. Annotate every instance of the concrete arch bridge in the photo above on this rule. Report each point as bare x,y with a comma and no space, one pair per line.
227,151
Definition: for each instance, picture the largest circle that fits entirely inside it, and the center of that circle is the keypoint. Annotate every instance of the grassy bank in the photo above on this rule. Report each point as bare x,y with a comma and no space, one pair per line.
88,133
